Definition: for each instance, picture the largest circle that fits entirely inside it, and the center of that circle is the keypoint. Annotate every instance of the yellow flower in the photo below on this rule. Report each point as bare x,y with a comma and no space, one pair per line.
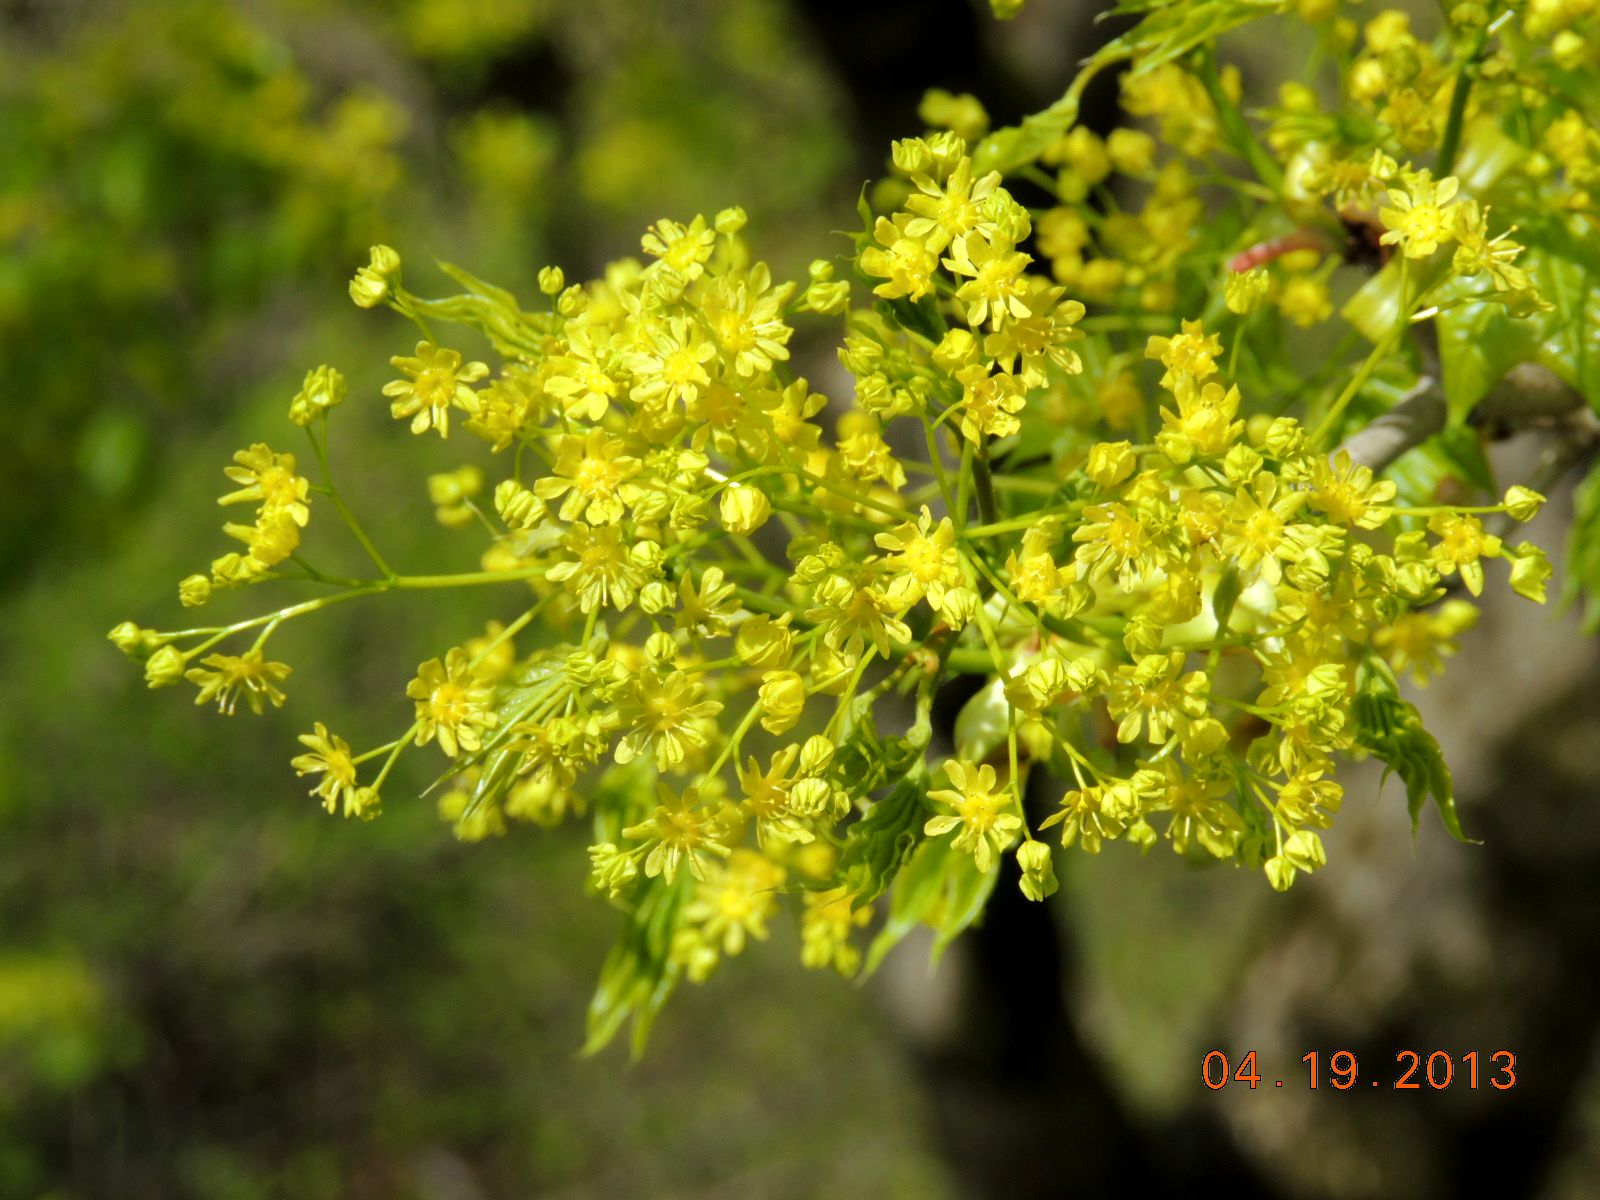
984,816
1421,641
1189,353
672,367
1121,540
1417,220
767,799
1154,695
923,560
1304,301
1257,523
944,212
825,929
745,313
1462,541
224,677
1086,819
989,402
453,704
1200,813
594,475
735,900
330,757
679,832
269,480
435,380
904,262
1347,493
604,569
995,290
664,716
684,249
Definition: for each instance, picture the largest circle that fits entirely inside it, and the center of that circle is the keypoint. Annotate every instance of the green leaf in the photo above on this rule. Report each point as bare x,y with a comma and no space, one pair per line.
1169,30
1390,728
1480,341
638,975
984,722
1455,453
492,311
1478,344
940,887
882,842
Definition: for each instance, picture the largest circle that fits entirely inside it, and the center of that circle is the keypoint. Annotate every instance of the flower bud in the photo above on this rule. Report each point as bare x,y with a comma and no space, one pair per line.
783,699
165,667
816,755
194,590
1530,572
1110,463
1522,504
661,648
731,220
810,796
1304,850
370,287
572,302
958,606
1245,291
552,280
656,597
1038,869
962,114
1280,873
132,640
955,350
743,509
1569,50
828,299
322,389
764,642
518,507
1132,150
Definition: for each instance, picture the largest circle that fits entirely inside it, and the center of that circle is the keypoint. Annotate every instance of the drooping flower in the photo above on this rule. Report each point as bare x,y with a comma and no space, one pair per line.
225,677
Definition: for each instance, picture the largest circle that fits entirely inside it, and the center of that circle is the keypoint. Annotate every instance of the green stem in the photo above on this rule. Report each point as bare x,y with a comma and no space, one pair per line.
1235,128
1450,143
321,447
983,485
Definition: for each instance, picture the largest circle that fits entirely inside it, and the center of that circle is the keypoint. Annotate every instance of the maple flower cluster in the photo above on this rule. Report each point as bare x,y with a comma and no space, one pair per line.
1059,465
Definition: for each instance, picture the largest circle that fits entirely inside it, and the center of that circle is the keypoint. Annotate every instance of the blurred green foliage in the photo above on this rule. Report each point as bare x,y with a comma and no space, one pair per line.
207,988
183,183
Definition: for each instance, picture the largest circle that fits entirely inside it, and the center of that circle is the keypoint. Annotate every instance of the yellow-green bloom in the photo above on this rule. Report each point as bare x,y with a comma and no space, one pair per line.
985,817
453,704
664,716
680,831
225,677
435,381
1417,218
329,756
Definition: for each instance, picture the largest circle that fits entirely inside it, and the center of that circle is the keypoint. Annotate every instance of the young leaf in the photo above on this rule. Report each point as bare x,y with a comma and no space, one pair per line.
1390,728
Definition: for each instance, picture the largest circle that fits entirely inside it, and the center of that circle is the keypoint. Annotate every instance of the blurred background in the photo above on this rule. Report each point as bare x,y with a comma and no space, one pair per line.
210,989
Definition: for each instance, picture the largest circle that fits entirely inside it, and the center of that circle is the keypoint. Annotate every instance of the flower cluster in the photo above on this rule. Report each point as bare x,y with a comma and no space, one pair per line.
1065,468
